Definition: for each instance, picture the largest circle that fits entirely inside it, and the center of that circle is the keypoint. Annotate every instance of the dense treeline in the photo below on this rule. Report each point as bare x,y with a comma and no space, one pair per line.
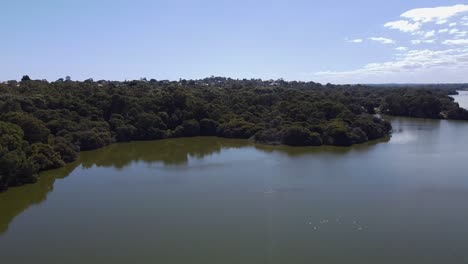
422,103
44,125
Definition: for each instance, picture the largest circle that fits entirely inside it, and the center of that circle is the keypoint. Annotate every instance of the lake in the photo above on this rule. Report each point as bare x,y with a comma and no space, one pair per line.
213,200
462,99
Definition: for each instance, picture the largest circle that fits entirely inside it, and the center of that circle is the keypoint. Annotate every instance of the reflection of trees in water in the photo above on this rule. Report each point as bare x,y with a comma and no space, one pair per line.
300,151
169,152
178,151
18,199
398,123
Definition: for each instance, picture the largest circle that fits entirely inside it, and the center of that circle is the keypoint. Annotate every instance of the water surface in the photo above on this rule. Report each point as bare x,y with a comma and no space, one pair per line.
462,99
212,200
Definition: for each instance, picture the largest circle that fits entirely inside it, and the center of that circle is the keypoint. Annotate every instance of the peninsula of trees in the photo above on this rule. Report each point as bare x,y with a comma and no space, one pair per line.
44,125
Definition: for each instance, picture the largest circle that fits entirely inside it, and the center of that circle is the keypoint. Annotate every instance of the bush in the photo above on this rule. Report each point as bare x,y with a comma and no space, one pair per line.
191,128
300,136
43,157
34,129
237,128
208,127
68,151
457,114
337,133
268,136
88,140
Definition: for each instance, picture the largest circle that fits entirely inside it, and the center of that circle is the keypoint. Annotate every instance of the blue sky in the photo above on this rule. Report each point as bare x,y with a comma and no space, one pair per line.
338,41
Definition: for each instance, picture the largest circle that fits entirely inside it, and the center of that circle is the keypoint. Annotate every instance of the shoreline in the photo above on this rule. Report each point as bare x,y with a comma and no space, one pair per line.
251,140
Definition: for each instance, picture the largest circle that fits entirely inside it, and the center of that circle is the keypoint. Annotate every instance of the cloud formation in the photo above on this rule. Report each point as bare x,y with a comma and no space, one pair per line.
403,25
429,34
456,42
355,41
382,40
439,40
412,61
416,18
434,14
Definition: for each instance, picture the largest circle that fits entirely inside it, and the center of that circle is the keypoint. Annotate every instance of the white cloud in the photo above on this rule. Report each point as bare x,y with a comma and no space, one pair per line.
464,21
355,41
429,34
403,25
383,40
413,61
456,42
437,14
418,33
437,29
415,19
461,34
420,41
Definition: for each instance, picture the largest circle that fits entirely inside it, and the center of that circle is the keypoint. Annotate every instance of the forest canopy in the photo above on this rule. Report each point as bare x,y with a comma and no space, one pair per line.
44,125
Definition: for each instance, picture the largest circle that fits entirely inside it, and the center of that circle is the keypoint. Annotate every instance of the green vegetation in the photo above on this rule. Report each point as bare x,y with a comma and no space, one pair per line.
44,125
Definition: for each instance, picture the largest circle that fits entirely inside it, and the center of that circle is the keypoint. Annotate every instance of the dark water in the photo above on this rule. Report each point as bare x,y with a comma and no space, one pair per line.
211,200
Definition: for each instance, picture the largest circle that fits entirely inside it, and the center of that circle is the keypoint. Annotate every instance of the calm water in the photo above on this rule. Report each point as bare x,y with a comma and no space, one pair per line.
211,200
462,99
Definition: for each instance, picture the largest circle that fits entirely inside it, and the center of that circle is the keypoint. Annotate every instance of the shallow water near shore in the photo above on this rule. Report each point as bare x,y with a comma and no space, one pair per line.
213,200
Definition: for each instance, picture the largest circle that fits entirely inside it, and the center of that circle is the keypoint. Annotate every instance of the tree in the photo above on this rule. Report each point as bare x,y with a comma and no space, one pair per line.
191,128
67,150
338,133
11,136
44,157
88,140
458,114
34,129
237,128
125,132
300,136
44,123
208,127
15,169
150,126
